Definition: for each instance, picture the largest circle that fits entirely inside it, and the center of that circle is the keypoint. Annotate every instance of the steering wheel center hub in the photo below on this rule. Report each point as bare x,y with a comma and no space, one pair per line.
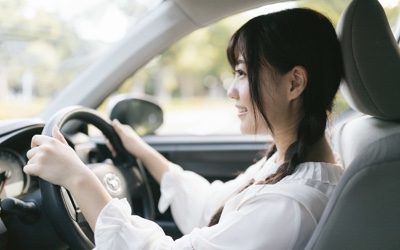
113,183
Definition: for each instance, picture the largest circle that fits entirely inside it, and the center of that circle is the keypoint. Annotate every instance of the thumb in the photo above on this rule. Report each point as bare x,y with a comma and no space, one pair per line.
117,126
57,135
116,123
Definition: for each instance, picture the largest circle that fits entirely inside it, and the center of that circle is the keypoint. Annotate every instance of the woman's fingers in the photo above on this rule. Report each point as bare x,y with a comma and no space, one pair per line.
38,140
132,142
117,126
31,152
42,150
121,129
115,122
57,135
110,147
42,140
33,164
31,168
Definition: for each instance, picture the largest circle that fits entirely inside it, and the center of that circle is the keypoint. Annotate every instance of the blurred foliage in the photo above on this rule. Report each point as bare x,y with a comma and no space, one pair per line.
47,50
38,43
197,65
42,48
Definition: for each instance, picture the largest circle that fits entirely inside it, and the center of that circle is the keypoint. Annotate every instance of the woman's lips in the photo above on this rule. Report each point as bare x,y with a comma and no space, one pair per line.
241,111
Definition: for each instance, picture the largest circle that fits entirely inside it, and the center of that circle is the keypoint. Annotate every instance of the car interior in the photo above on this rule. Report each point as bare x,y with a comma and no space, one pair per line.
362,213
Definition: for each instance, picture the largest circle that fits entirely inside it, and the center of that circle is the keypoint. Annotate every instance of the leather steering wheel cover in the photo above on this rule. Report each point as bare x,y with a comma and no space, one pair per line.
53,200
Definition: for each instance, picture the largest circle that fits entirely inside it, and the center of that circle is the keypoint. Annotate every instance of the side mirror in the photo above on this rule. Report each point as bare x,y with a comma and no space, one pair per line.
141,113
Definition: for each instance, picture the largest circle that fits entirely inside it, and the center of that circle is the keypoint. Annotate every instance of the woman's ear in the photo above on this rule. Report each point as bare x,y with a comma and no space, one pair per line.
298,75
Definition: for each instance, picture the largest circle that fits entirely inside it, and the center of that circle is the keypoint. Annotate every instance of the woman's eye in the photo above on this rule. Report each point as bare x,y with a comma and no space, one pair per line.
239,72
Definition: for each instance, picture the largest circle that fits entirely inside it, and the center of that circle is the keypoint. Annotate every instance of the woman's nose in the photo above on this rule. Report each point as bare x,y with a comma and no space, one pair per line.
232,91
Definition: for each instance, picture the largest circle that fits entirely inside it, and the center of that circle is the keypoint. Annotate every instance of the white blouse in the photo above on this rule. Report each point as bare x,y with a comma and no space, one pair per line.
279,216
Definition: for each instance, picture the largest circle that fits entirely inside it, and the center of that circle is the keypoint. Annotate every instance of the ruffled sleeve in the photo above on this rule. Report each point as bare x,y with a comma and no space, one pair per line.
280,216
193,199
274,222
116,228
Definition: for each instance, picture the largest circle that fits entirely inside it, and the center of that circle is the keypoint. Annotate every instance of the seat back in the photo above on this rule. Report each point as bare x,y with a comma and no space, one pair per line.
364,210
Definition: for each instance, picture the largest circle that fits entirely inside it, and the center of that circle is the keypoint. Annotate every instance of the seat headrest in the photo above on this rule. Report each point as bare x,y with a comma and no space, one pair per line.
371,60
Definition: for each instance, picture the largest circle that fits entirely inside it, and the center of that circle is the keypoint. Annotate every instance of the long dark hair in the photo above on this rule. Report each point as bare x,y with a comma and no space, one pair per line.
277,42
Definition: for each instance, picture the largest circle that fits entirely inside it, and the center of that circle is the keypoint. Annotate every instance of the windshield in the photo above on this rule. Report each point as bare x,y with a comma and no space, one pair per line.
47,43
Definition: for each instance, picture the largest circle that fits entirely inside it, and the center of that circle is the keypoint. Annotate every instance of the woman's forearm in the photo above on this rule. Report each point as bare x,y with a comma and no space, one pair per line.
155,162
91,196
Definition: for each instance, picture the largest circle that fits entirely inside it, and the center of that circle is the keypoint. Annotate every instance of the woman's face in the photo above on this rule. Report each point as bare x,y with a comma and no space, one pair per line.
273,98
239,91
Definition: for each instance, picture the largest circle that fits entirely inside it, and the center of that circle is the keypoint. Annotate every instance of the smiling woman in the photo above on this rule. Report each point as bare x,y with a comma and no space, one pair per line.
60,58
54,41
190,80
288,68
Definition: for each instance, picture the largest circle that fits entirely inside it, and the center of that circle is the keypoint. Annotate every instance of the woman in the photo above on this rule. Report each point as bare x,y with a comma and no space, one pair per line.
287,71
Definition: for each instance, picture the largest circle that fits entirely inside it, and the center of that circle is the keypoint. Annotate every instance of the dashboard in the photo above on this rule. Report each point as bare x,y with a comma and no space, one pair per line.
16,182
15,139
17,229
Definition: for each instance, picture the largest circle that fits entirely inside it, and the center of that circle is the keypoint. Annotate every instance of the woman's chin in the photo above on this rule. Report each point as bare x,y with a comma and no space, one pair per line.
246,130
250,130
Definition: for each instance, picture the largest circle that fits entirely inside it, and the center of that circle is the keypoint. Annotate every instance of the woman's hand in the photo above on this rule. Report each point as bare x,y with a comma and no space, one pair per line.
132,142
53,160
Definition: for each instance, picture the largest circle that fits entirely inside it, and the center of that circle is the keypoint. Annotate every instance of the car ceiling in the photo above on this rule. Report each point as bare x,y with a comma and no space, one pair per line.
200,13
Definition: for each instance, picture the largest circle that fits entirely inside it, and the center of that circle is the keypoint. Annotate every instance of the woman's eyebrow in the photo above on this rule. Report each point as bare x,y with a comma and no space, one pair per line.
240,61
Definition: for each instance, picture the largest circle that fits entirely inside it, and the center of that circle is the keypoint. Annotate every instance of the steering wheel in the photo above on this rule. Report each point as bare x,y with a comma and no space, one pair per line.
62,211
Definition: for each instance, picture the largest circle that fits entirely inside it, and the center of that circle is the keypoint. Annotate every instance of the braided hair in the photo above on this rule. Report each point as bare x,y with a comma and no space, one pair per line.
277,42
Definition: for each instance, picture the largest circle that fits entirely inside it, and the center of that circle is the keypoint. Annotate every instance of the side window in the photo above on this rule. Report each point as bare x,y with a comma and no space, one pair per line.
190,79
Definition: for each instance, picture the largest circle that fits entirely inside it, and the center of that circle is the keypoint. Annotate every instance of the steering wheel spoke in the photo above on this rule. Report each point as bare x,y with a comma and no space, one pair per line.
122,178
72,207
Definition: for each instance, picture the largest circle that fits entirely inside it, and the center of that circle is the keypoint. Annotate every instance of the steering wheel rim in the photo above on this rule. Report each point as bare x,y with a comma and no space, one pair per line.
54,201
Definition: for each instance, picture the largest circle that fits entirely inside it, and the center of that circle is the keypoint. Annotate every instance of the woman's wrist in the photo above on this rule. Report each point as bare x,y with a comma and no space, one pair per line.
80,179
84,185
